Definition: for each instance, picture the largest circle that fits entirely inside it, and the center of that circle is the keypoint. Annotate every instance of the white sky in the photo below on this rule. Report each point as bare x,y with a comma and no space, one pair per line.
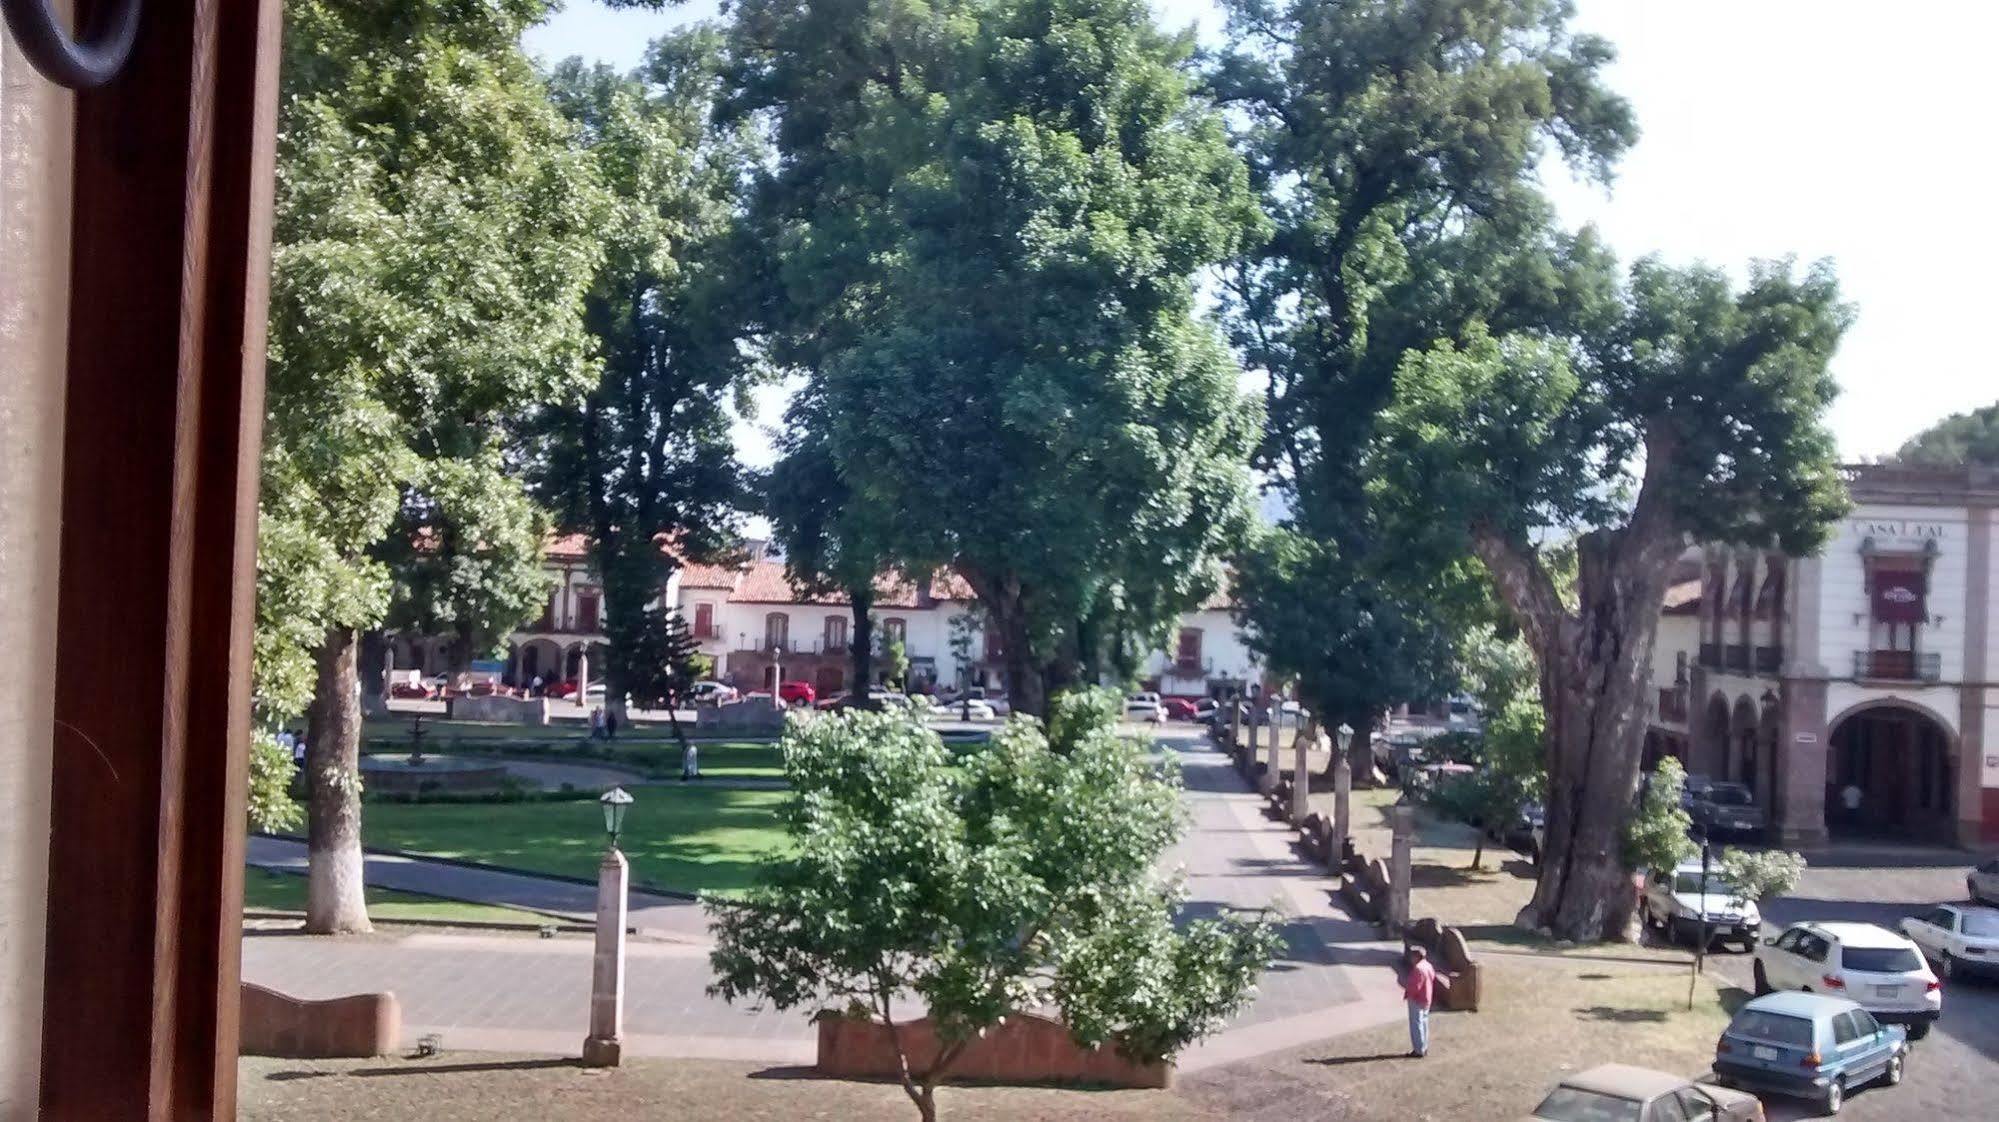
1814,128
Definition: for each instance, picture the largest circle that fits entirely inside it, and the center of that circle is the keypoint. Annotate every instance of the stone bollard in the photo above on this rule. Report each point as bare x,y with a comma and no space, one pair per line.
1301,778
1235,727
1402,820
604,1047
1342,812
1273,769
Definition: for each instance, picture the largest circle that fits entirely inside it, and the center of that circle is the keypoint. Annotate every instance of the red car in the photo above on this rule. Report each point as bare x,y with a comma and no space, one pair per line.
1179,709
797,693
563,688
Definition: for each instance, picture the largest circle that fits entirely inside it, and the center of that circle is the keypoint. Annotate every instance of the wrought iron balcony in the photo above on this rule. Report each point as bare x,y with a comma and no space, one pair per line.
1898,666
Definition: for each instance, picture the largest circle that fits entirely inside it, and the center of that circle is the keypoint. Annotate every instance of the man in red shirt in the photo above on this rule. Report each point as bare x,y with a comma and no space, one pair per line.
1417,988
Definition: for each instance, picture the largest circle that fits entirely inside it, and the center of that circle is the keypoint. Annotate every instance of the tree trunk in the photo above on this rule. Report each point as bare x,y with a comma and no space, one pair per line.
334,901
1026,691
1595,667
1360,752
862,643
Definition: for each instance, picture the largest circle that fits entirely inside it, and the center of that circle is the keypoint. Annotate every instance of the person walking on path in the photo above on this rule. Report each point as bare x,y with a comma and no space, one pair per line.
1418,986
596,724
610,724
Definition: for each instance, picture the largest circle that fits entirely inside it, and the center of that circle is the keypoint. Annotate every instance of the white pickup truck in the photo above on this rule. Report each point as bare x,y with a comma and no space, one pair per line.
1673,902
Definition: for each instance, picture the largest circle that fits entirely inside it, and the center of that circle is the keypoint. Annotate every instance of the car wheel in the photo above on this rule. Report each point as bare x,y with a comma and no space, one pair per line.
1919,1030
1762,980
1893,1076
1946,966
1835,1096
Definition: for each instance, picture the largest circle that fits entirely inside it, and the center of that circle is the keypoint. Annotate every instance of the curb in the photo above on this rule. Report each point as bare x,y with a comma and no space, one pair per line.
567,927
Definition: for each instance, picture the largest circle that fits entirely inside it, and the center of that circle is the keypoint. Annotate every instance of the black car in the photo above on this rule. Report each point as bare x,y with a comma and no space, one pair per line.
1726,808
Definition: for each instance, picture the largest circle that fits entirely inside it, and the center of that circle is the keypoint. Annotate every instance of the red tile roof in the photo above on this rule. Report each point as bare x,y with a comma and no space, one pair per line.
764,582
567,547
696,575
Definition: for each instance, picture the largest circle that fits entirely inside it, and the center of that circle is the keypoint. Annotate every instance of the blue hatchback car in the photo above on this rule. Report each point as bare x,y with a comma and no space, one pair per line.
1809,1046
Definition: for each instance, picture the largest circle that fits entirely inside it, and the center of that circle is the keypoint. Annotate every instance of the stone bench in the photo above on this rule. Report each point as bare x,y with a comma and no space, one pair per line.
352,1027
1462,975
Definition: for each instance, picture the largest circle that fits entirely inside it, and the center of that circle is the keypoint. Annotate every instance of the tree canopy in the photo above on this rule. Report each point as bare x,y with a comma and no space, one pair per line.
434,232
987,259
643,463
1397,147
1961,438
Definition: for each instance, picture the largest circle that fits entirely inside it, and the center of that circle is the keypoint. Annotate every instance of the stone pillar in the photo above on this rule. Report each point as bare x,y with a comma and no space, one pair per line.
1301,778
1801,764
1270,767
582,676
1402,820
605,1044
1342,809
1235,725
1973,828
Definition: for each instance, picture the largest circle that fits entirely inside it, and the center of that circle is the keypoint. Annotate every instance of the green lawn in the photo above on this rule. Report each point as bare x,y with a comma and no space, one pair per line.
647,748
266,891
682,839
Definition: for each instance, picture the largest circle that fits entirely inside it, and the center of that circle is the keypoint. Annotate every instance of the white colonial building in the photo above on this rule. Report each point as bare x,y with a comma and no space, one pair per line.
757,626
1873,665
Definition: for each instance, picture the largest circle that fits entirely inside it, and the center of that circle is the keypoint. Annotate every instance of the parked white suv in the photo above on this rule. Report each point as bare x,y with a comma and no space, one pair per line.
1956,938
1673,903
1872,966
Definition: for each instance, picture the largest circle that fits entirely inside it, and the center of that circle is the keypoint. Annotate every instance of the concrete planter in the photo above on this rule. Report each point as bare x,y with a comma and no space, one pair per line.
1025,1048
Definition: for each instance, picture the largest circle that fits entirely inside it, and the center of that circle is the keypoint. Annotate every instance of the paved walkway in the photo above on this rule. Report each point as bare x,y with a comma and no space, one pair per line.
531,995
655,916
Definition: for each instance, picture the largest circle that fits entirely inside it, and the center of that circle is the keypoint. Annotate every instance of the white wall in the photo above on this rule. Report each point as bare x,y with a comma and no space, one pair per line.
1844,613
1223,653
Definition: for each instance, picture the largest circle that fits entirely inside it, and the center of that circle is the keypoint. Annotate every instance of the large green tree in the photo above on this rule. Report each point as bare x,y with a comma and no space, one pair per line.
1397,146
643,464
1961,438
434,233
989,220
1696,413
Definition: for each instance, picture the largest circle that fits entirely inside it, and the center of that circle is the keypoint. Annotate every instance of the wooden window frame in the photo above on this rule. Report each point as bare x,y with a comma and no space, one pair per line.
162,434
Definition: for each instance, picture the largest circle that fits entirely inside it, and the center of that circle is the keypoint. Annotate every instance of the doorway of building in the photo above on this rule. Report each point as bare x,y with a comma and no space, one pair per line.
1893,774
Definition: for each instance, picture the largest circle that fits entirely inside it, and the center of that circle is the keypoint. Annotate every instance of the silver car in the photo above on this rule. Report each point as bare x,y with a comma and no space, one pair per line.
1982,883
1625,1093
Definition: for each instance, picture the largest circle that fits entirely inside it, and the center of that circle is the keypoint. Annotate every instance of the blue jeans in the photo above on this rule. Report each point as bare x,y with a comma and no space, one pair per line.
1419,1028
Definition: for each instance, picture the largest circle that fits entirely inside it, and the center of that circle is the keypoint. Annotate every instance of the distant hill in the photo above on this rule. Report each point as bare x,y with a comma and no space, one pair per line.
1959,438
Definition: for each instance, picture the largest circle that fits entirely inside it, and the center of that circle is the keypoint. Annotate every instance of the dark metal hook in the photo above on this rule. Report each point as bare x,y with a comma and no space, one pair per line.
63,60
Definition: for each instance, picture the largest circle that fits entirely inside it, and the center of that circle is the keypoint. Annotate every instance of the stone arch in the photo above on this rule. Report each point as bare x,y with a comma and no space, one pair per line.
1903,760
1714,734
1745,760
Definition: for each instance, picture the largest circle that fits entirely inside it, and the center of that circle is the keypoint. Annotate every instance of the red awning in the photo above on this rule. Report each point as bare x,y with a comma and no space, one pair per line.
1899,596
